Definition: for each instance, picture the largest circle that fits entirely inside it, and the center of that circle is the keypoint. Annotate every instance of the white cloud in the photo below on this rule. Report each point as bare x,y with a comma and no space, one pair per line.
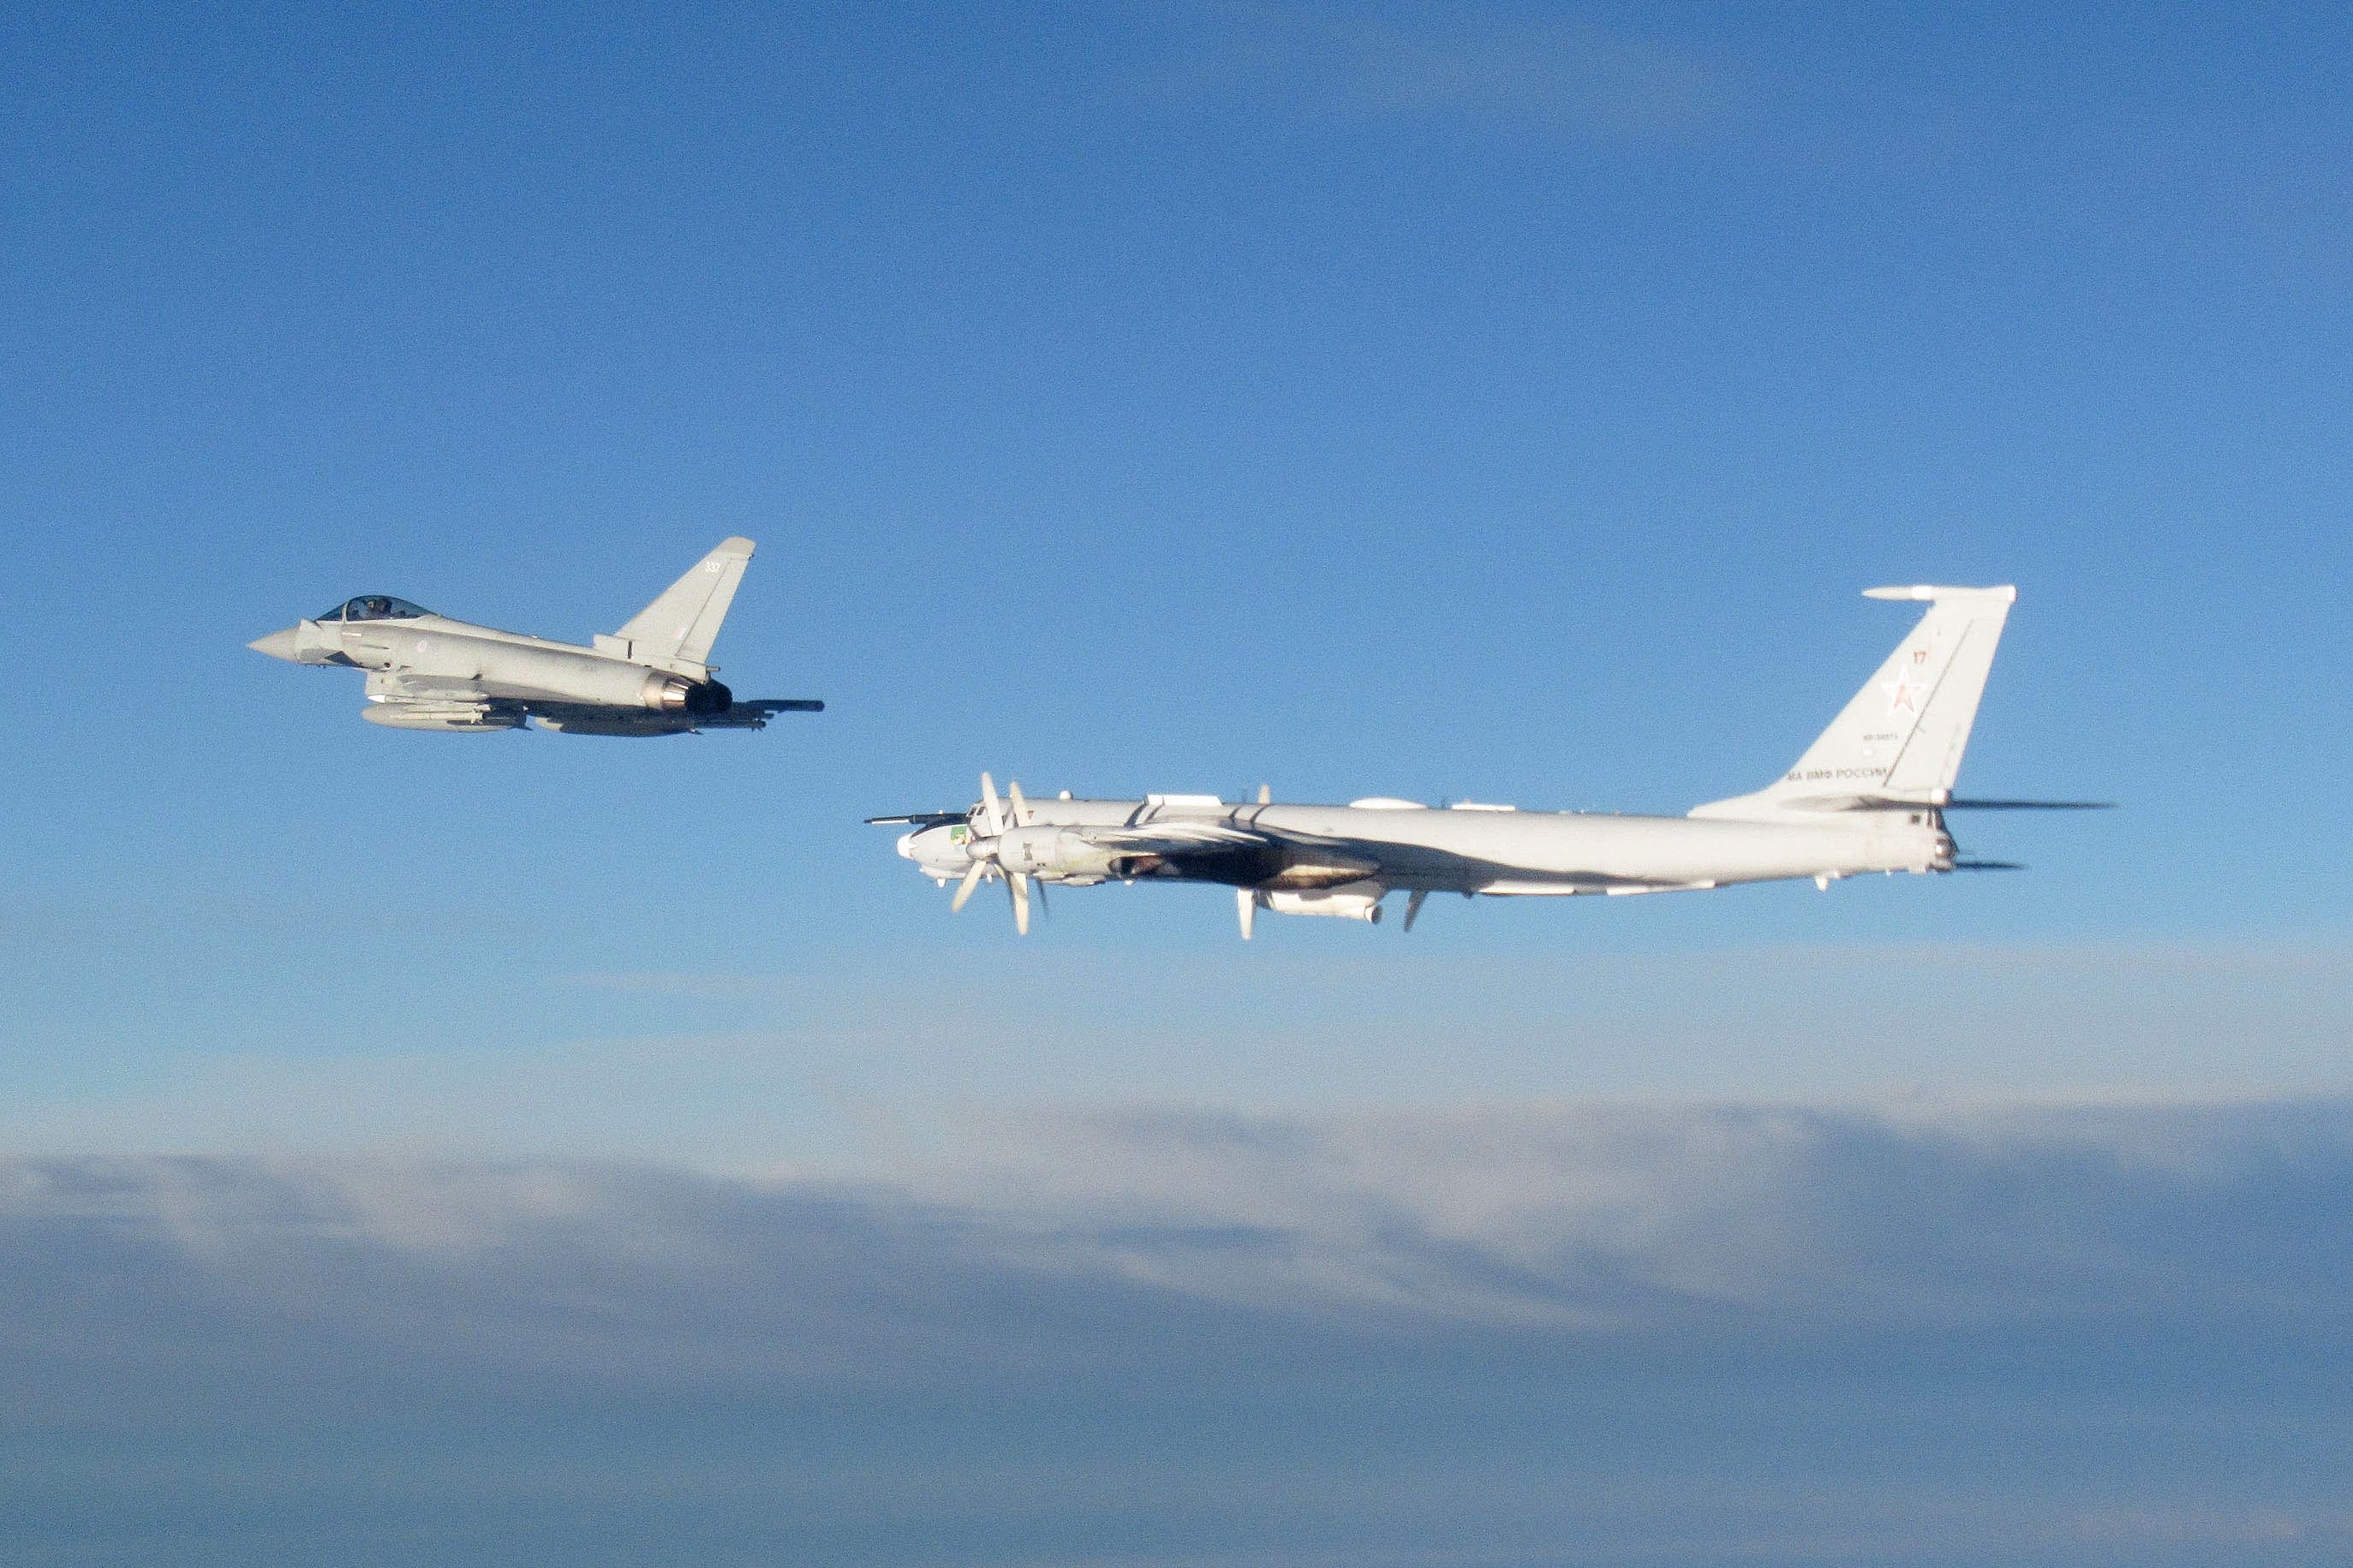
1617,1216
1620,1213
1519,1334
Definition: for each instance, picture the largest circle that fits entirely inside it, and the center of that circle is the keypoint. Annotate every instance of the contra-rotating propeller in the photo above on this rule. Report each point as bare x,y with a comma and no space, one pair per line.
985,862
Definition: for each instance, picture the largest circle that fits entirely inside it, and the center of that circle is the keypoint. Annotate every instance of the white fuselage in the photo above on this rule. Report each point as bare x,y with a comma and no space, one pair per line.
1867,795
427,671
1472,849
501,664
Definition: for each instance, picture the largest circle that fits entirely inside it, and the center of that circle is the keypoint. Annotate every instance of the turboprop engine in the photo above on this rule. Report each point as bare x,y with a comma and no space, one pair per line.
1056,854
1008,845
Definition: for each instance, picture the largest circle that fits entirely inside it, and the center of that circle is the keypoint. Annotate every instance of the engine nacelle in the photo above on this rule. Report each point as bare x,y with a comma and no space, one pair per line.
1056,853
1348,901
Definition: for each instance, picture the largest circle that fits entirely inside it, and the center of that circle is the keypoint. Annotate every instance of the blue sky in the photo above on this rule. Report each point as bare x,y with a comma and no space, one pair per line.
1502,400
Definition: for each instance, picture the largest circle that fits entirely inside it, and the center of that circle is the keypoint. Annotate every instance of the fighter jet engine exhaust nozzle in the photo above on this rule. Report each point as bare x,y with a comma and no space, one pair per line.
699,698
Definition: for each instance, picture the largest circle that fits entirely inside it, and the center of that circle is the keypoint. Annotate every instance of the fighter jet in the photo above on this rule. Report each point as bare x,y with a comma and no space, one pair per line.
651,678
1870,794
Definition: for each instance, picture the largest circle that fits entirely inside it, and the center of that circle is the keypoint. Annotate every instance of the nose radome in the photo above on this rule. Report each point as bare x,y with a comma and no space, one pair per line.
284,645
907,846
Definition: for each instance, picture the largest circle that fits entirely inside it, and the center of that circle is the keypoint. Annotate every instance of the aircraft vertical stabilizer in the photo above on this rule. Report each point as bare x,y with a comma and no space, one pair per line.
1900,739
684,622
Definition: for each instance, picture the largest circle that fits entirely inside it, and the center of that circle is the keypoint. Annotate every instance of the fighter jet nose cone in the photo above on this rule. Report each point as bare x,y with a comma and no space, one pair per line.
285,645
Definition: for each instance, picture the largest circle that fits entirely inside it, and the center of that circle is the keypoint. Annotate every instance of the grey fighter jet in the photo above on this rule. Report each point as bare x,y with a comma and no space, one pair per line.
1870,794
653,676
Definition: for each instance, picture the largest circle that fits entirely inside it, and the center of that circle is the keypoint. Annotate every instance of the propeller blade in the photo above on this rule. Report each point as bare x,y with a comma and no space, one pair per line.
1017,884
1265,795
1413,905
963,888
988,802
1987,865
1022,816
1246,906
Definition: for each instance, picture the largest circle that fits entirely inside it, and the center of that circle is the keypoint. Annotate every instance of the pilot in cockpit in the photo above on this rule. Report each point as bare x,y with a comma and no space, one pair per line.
374,607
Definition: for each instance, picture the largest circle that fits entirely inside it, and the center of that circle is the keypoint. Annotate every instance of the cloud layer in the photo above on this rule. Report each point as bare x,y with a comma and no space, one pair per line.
1616,1215
1524,1334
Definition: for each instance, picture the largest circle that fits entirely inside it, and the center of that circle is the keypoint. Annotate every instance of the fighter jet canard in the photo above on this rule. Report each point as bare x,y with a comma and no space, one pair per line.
653,676
1870,794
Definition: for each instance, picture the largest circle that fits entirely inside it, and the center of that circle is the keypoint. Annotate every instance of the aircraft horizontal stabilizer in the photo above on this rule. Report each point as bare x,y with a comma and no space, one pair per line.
1931,803
1930,593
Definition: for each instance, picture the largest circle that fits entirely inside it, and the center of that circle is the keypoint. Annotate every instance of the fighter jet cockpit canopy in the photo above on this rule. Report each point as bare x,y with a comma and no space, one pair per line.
375,607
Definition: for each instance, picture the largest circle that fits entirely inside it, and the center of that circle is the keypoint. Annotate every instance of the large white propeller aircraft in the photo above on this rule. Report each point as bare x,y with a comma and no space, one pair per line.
1870,794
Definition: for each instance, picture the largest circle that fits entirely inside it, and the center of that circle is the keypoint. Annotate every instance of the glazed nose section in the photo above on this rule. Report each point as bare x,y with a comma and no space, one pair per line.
286,645
936,850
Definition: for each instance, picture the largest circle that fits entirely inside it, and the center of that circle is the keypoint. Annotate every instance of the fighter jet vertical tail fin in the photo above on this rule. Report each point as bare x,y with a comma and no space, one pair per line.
1899,740
684,622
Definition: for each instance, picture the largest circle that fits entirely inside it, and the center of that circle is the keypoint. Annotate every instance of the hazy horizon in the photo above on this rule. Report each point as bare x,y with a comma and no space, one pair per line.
530,1146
